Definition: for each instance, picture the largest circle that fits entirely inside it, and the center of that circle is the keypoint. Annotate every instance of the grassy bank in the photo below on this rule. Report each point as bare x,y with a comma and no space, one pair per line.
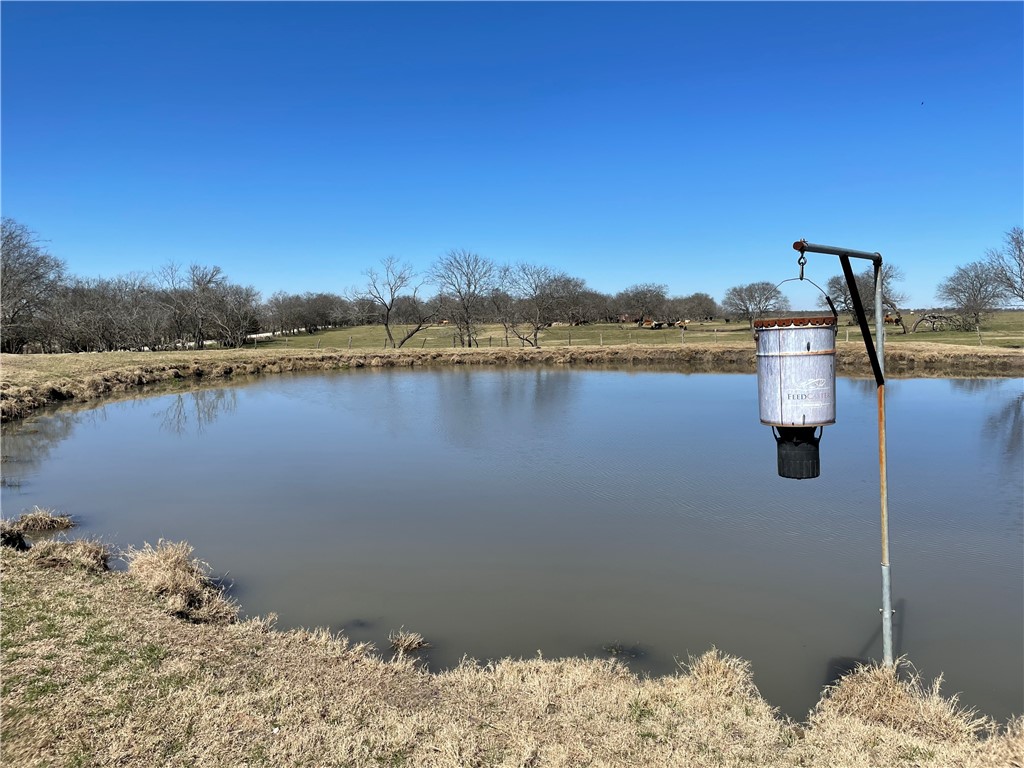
100,669
28,382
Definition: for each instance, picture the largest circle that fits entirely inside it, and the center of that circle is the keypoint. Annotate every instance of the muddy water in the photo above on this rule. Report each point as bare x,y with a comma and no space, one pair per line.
516,512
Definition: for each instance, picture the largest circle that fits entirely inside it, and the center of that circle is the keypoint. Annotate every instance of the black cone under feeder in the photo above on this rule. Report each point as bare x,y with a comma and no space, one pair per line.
798,452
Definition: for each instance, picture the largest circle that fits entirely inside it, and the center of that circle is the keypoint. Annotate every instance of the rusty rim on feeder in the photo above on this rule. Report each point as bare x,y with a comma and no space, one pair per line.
784,322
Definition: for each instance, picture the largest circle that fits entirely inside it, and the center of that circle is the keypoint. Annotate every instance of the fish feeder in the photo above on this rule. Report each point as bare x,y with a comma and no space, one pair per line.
796,387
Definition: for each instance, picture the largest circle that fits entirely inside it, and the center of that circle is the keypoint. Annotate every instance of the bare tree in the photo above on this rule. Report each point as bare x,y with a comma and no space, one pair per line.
972,291
642,301
540,296
29,279
594,306
384,289
698,306
234,314
190,296
753,300
892,299
465,280
1008,264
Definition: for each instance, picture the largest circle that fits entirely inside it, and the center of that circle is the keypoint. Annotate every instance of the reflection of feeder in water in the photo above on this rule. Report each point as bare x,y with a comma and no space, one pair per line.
796,387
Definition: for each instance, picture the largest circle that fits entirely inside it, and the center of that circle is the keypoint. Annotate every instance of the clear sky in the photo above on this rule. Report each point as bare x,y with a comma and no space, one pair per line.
297,144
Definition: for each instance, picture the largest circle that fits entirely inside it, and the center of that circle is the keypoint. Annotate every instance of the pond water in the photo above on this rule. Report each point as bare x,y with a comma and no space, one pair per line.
566,512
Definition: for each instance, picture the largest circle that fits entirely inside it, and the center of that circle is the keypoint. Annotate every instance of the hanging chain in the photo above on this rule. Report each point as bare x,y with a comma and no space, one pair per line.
801,261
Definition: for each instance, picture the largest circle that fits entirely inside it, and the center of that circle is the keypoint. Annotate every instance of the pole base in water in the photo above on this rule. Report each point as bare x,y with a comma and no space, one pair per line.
798,452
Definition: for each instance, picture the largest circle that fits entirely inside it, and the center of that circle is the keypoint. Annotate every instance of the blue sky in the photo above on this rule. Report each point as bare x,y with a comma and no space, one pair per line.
297,144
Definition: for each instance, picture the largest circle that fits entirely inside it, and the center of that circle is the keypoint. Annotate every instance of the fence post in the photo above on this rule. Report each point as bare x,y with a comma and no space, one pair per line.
601,336
350,342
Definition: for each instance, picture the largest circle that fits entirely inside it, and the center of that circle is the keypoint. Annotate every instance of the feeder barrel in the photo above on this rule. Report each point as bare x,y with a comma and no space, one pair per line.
804,247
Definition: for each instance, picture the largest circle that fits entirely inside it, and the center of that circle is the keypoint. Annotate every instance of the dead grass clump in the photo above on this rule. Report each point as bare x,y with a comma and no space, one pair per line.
169,572
403,641
41,520
1008,748
897,698
11,536
718,676
83,554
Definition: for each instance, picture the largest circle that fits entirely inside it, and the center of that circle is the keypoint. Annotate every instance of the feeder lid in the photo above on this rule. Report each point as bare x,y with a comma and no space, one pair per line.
786,322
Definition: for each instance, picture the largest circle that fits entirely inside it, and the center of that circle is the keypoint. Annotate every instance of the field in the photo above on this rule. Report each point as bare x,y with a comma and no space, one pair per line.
1003,329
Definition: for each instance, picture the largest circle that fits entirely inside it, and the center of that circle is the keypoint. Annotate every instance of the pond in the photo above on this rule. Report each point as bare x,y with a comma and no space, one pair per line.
567,512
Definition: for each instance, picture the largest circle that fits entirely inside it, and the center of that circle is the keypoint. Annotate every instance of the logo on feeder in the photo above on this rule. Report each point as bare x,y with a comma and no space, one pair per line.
810,391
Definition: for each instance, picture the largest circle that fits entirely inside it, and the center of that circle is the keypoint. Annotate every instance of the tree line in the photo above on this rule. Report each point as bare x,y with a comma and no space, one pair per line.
45,309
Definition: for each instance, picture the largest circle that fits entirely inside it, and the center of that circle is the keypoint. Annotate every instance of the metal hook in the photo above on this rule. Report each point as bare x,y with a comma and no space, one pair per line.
802,261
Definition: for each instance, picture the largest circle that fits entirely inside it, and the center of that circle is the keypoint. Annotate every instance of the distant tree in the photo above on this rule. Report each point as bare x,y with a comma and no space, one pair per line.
540,296
190,294
1008,264
465,280
892,299
393,289
698,306
383,289
643,301
234,314
596,307
324,310
973,290
415,314
29,279
753,300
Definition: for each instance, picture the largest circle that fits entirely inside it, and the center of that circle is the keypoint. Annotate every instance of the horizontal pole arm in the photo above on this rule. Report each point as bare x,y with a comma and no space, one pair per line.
804,247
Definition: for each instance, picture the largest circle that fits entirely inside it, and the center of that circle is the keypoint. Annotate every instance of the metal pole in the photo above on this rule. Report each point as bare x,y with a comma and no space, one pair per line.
883,475
876,356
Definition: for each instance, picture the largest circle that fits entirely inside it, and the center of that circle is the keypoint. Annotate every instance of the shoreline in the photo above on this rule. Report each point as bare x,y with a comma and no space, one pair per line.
29,382
106,668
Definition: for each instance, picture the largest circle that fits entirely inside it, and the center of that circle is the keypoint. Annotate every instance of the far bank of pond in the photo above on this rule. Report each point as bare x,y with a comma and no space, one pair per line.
28,382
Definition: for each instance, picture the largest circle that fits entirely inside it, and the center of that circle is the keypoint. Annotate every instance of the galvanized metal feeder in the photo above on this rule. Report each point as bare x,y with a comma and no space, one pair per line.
796,388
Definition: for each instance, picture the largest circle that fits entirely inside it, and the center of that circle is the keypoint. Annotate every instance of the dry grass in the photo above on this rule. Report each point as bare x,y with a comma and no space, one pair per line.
898,698
97,673
85,555
41,520
183,583
12,536
403,641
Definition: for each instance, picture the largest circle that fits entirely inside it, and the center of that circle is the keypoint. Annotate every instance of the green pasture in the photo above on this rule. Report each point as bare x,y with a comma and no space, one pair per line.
1001,329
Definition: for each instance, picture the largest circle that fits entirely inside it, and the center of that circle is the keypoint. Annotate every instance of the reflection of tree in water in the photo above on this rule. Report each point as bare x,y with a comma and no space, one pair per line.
865,387
976,386
1003,432
470,409
28,443
1006,423
199,408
